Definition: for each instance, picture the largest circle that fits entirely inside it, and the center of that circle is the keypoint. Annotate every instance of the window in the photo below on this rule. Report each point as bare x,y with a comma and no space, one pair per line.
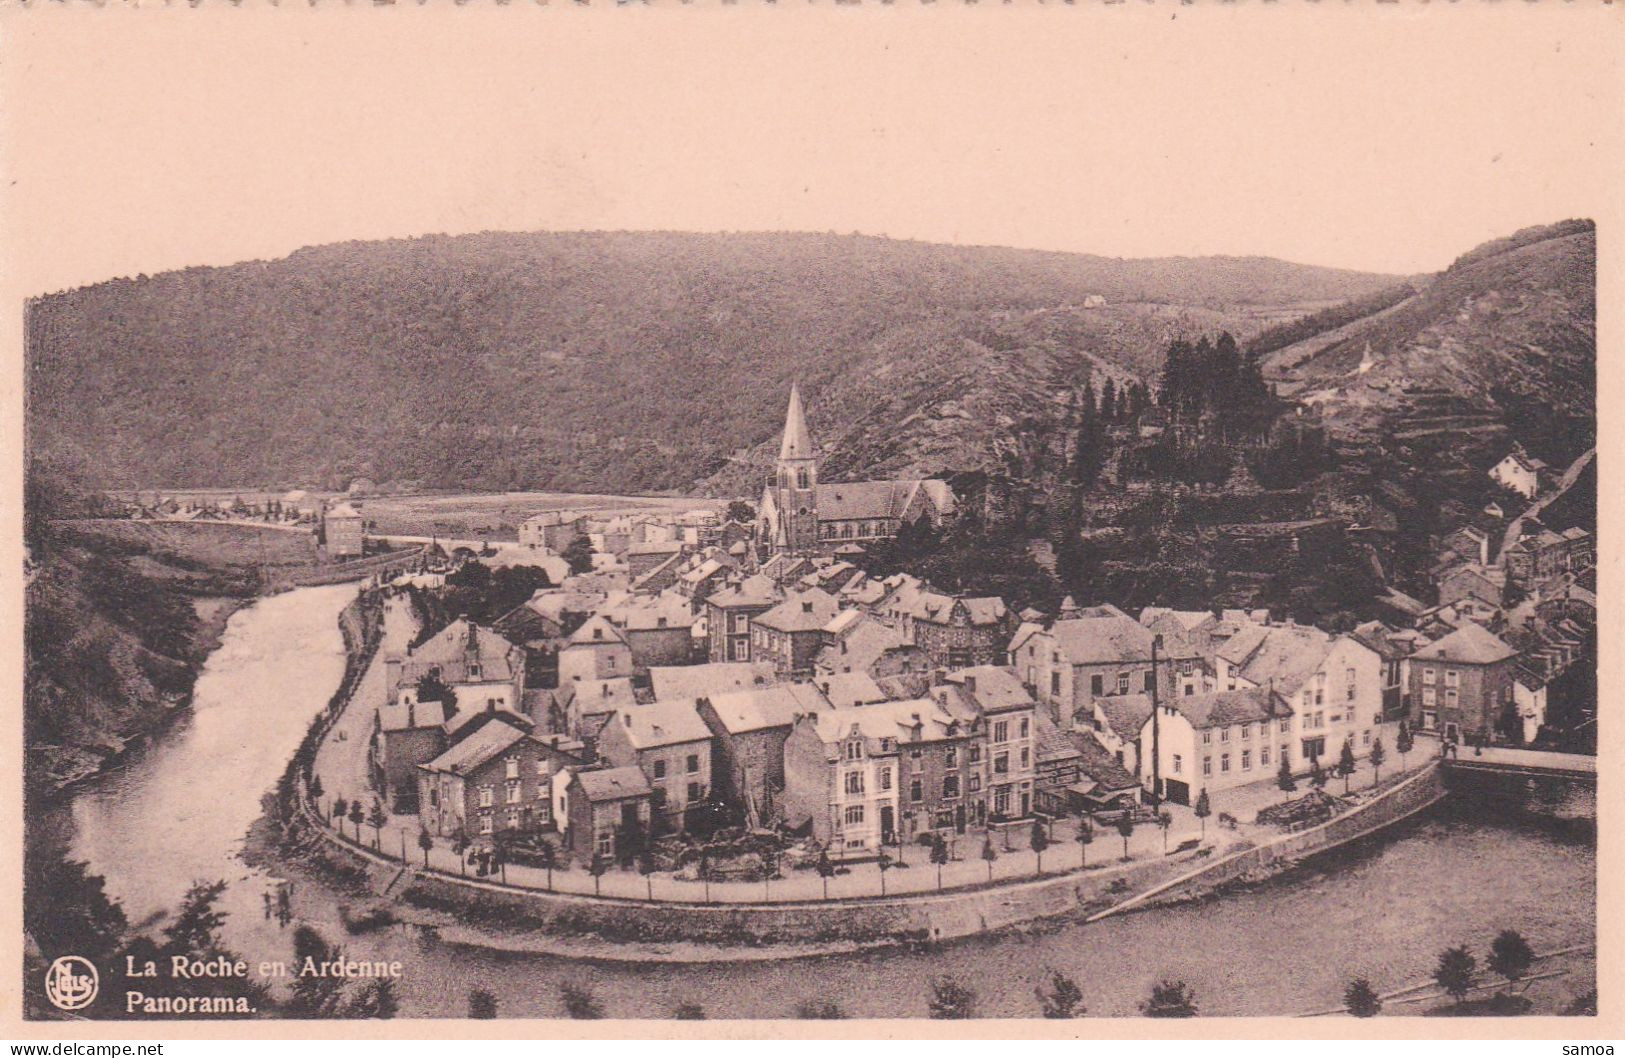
975,754
606,843
1178,764
1246,732
485,823
1224,762
854,782
1263,755
1430,720
541,769
1001,764
1207,765
1284,751
1246,760
696,791
1450,698
1365,738
1122,683
1055,683
1150,681
1001,800
885,778
950,786
1097,685
888,745
610,662
1452,678
1026,757
510,768
1286,725
953,757
485,796
854,750
916,790
854,815
1001,731
975,782
1207,738
513,791
1427,677
1224,734
1026,728
660,769
693,763
1429,696
474,672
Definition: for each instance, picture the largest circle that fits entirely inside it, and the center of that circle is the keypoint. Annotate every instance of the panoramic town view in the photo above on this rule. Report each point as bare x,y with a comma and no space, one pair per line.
1125,674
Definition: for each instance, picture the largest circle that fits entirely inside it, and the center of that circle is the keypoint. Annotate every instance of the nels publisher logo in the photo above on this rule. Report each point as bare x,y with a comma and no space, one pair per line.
71,983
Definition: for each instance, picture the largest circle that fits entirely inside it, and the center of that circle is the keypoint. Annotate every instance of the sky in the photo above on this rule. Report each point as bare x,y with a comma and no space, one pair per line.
1378,137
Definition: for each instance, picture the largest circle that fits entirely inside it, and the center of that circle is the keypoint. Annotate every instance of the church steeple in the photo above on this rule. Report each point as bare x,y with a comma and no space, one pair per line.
796,482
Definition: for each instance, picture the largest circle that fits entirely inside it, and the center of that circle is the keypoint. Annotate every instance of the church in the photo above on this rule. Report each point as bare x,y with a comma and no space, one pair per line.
801,515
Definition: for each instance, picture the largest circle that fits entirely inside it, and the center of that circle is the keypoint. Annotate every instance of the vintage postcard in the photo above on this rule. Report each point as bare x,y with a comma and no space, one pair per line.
793,514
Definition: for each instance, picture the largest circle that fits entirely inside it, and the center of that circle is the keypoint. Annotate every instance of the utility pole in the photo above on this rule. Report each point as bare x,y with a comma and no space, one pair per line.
1156,728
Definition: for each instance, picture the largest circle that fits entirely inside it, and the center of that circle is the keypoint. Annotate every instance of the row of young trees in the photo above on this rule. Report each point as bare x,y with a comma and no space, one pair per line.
1456,974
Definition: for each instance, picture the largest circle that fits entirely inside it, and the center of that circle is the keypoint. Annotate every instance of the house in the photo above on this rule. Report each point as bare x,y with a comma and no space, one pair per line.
343,532
662,576
482,668
658,629
1214,741
1196,627
729,612
791,633
606,811
554,530
672,745
406,735
704,681
855,641
1521,473
1116,723
498,778
1487,584
1461,685
709,576
1331,685
749,729
1080,659
1006,710
1103,784
799,515
596,651
580,707
875,774
1394,647
1470,543
643,557
1057,766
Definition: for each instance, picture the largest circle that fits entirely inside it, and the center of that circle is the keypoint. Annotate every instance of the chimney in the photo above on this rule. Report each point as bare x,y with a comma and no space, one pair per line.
806,607
411,713
626,718
604,687
970,684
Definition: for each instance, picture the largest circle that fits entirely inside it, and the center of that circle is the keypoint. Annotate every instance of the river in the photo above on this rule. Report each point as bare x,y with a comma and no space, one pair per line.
1383,909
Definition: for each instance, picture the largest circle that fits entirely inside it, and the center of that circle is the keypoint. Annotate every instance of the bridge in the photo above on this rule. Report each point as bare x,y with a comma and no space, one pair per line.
1505,760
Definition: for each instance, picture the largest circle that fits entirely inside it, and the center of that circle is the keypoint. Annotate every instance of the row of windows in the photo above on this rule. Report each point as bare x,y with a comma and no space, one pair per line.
692,765
1452,678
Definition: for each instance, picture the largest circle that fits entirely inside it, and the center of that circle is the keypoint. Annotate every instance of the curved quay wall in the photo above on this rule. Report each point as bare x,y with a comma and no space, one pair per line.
916,917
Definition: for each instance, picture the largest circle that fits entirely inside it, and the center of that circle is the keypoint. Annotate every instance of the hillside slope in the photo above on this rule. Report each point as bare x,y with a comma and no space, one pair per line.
1501,343
604,361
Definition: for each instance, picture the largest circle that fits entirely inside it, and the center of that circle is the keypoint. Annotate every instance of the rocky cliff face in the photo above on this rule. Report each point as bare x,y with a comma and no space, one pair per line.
1501,343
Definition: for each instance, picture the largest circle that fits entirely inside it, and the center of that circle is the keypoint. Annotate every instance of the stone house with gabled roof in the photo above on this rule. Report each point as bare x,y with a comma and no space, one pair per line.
606,812
596,651
731,609
1461,685
857,642
749,729
500,777
791,633
1078,660
956,631
671,744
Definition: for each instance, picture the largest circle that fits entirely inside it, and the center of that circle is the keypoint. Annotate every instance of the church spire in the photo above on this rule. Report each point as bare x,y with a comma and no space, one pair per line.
797,443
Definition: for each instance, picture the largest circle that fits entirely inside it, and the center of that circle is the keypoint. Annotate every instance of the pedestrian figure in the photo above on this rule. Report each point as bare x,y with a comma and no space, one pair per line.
267,896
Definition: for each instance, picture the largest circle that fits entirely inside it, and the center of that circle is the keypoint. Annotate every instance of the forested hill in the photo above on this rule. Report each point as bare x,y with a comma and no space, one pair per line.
607,361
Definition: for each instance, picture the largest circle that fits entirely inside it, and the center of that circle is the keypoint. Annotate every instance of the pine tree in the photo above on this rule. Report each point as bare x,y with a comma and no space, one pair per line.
1361,999
1283,776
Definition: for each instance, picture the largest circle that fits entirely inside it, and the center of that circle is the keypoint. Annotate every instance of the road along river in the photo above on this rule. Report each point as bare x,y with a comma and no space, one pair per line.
1382,908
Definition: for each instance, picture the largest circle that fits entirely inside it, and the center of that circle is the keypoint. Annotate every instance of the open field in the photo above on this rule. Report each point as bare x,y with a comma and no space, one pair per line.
198,545
496,516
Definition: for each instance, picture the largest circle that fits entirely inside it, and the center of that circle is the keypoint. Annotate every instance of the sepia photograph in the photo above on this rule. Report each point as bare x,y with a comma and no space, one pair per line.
795,514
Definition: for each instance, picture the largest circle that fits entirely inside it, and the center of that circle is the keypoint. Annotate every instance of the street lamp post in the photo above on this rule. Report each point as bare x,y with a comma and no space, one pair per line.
1156,728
